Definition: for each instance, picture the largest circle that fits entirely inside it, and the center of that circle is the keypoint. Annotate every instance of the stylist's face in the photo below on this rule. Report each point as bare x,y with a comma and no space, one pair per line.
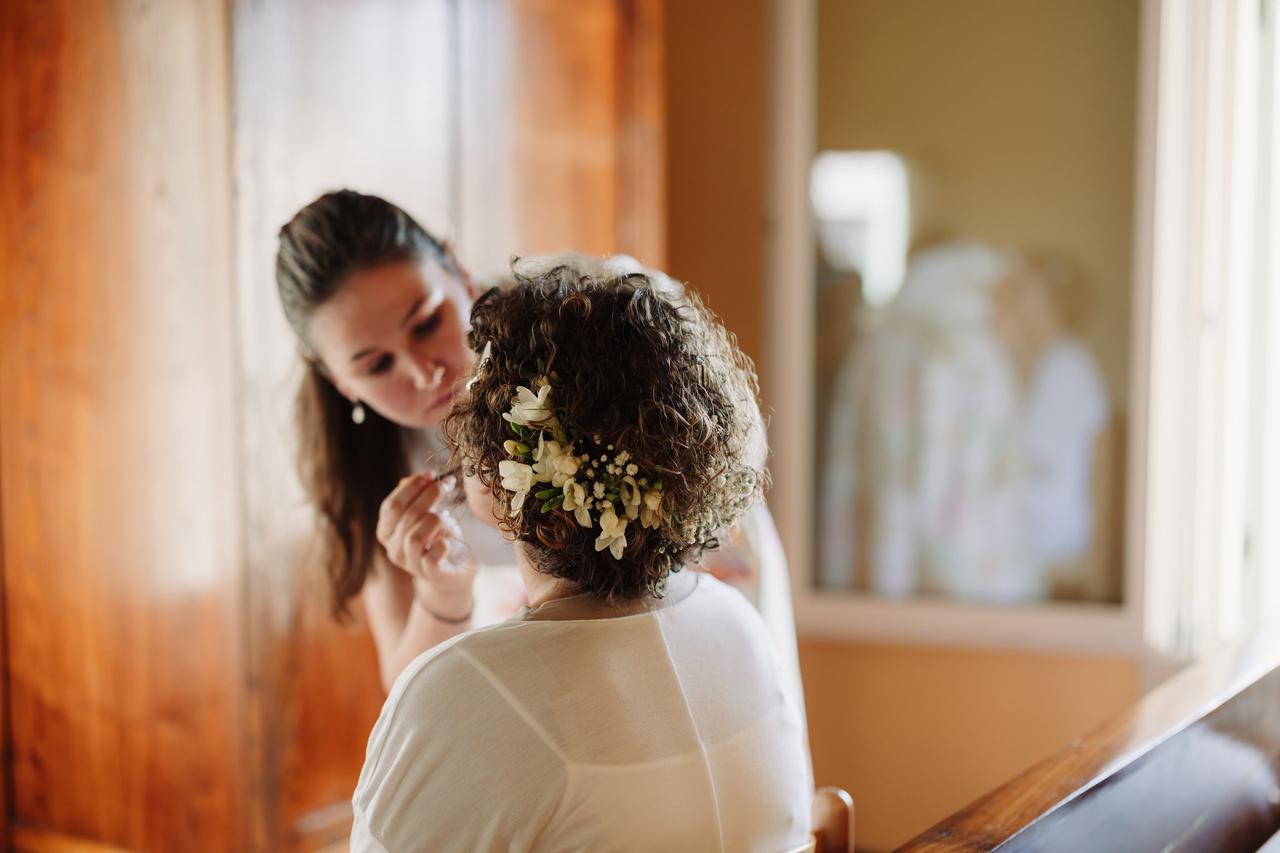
393,337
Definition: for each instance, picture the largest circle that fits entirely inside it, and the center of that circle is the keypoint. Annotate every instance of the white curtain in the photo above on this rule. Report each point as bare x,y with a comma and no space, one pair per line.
1212,549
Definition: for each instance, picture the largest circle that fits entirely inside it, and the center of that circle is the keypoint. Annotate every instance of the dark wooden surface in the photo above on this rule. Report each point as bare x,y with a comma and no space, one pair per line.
121,542
1194,766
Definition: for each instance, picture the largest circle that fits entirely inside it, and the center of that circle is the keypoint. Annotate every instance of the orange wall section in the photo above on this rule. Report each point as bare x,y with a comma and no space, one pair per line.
916,733
716,118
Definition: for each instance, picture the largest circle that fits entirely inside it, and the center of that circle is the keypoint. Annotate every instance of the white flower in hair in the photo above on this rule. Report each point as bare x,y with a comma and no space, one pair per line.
629,491
649,512
553,463
530,409
566,466
575,501
544,458
517,477
613,533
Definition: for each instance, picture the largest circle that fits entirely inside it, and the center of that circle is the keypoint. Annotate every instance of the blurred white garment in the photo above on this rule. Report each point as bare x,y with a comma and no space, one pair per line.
1065,410
924,436
667,728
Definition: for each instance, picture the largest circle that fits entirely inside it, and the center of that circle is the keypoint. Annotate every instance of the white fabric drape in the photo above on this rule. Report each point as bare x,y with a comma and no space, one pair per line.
662,729
1214,406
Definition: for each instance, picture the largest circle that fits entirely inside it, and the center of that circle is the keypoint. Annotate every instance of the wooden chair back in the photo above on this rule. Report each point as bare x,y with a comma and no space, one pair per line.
832,821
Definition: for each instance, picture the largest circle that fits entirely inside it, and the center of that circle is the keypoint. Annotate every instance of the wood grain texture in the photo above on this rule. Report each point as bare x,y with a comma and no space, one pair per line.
562,130
174,681
641,111
330,94
716,79
121,542
1194,766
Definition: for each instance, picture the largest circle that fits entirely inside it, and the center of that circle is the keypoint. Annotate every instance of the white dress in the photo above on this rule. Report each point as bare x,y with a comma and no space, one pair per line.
666,728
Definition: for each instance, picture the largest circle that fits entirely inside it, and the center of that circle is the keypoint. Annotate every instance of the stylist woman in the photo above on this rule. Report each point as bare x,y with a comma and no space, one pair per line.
380,309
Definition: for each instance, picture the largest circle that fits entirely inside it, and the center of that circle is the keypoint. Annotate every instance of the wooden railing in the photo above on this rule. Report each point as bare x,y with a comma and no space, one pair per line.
1193,766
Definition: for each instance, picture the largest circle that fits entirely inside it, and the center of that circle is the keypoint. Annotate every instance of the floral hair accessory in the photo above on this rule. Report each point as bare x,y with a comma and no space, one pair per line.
599,486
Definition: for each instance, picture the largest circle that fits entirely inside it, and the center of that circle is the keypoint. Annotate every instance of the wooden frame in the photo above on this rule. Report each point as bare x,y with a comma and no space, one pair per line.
6,764
1089,628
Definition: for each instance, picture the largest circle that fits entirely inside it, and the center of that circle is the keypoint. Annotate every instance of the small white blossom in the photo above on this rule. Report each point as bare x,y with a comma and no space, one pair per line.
598,490
566,465
576,501
613,533
632,469
649,512
544,458
530,408
630,494
517,478
553,463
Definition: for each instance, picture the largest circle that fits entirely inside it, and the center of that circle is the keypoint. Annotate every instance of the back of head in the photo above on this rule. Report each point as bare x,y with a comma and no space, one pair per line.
611,418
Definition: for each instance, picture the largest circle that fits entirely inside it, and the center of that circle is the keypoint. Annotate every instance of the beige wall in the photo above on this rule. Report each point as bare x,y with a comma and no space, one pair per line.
917,733
913,733
1017,118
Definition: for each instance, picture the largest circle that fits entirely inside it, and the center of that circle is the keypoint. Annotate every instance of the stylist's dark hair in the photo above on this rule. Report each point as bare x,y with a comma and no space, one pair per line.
347,469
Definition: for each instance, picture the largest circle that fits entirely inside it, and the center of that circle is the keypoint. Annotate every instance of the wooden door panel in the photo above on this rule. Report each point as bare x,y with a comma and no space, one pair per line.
561,128
174,681
121,540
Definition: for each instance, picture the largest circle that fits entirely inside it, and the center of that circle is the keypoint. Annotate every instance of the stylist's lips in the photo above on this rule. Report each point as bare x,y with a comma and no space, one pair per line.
444,400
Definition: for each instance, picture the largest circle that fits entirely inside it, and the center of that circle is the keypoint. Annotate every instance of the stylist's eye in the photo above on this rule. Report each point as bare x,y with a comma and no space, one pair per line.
427,326
381,365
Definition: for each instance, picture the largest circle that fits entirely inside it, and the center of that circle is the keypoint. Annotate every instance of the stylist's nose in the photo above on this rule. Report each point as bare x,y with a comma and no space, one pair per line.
427,376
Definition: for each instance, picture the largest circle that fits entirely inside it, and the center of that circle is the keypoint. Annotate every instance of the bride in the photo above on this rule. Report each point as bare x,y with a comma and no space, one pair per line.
607,430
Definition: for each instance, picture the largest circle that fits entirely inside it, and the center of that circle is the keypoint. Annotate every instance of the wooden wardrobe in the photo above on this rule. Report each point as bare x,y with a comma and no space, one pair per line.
171,679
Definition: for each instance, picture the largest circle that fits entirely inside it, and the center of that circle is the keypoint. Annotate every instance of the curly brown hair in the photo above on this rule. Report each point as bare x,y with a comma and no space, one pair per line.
632,367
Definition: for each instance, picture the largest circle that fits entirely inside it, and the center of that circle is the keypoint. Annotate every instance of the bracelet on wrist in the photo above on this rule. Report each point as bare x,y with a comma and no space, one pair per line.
461,620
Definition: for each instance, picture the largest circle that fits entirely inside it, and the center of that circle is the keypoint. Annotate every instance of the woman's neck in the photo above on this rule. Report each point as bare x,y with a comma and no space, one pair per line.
541,587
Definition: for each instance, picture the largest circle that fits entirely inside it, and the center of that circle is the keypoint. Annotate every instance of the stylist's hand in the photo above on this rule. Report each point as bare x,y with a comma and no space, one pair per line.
421,537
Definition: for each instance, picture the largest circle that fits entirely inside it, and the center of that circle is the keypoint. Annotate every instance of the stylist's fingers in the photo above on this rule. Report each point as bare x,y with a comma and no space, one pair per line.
391,511
403,509
426,499
447,565
422,505
419,539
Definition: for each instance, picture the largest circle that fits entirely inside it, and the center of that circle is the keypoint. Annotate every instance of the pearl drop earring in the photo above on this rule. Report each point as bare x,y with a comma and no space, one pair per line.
357,413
